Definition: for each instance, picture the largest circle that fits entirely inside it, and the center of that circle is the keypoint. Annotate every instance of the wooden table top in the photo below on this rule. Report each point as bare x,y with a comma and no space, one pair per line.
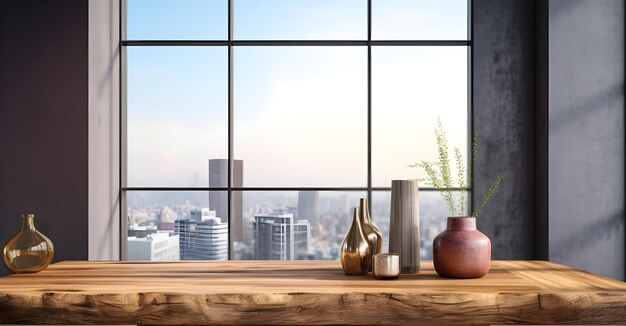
305,292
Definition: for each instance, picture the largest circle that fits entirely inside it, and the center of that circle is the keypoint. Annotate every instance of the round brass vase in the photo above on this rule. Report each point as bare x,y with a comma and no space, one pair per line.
28,251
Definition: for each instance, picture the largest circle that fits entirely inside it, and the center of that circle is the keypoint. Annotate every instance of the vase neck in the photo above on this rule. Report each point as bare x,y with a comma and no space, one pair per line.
357,219
365,211
28,221
461,223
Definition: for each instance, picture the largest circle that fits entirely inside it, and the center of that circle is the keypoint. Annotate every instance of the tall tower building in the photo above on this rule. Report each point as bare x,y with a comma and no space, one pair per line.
205,239
211,239
273,235
218,200
185,230
277,237
309,205
301,239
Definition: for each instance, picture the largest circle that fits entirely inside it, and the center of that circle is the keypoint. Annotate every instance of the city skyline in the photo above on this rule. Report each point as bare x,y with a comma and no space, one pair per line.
325,235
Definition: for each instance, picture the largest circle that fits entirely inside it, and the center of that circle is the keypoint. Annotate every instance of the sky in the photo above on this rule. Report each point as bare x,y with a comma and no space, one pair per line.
300,113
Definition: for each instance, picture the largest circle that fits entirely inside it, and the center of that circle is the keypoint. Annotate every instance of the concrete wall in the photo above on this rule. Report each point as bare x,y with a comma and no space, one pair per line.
503,119
586,134
104,61
43,121
548,95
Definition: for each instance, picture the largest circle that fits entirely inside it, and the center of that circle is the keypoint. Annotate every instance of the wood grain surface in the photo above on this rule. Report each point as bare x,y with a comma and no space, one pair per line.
305,292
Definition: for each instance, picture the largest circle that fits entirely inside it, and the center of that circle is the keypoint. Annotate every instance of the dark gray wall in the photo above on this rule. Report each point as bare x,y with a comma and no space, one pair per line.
503,119
586,134
43,120
548,95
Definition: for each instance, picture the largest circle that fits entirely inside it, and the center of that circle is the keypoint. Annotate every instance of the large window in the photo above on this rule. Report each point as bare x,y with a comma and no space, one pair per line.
250,128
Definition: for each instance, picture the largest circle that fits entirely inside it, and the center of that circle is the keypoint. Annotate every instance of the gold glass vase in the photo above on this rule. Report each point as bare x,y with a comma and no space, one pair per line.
355,251
374,236
28,251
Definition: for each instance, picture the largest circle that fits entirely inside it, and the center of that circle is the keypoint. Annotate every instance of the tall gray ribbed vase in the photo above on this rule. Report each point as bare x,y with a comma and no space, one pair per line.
404,230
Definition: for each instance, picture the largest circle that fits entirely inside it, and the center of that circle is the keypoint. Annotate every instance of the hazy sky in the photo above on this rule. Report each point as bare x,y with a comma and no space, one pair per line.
300,113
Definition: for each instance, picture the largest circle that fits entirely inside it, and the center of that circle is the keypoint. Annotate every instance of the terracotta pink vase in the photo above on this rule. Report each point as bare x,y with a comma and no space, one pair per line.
461,251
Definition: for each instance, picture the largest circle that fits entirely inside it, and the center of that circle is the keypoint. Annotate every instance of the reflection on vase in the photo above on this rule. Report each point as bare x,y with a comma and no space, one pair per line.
374,236
355,252
28,251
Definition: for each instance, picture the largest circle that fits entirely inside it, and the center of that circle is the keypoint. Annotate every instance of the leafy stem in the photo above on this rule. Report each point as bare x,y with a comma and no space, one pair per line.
488,195
439,174
462,181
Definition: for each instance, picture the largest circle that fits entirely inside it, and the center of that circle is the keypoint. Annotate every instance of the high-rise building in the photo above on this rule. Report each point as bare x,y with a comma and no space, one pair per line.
273,236
309,205
277,237
205,238
218,200
154,246
301,238
185,229
212,239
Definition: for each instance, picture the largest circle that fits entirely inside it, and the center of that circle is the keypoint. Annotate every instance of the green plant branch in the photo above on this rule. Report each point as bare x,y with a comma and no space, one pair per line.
432,178
462,181
439,175
488,195
444,164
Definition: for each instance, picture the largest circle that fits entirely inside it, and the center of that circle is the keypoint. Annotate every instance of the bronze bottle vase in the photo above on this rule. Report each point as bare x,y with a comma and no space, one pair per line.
355,251
28,251
374,236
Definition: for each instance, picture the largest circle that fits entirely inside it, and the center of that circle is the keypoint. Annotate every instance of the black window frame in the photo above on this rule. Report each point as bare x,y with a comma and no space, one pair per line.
231,43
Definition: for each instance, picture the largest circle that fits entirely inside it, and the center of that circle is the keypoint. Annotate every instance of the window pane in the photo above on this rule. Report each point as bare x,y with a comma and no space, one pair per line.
301,115
434,214
177,19
177,114
176,225
294,224
411,86
419,20
300,19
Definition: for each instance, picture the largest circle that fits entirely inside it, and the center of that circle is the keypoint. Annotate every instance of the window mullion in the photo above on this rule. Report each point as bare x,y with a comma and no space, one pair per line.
230,127
369,101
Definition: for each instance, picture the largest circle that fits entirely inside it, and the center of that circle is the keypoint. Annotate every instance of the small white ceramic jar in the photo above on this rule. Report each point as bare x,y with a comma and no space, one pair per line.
386,266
